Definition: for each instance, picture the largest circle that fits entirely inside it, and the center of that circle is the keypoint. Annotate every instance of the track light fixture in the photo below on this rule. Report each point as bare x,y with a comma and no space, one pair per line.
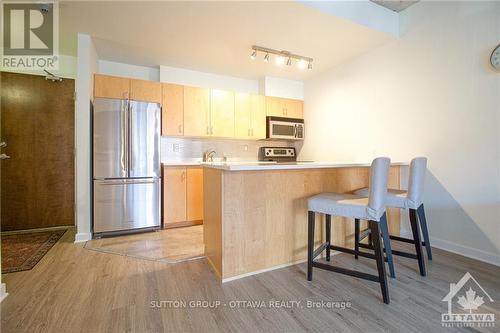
282,57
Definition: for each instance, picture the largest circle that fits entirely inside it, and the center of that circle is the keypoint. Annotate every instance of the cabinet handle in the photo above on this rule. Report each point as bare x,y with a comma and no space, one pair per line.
183,176
248,132
208,131
179,129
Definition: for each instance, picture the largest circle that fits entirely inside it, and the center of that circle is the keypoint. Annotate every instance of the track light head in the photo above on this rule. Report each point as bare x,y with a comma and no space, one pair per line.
266,57
310,65
289,62
254,55
302,64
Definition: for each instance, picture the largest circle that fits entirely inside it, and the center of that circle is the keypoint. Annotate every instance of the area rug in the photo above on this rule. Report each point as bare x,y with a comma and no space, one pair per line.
22,251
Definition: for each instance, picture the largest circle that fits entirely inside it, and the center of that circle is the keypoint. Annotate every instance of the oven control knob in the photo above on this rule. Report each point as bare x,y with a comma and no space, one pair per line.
267,153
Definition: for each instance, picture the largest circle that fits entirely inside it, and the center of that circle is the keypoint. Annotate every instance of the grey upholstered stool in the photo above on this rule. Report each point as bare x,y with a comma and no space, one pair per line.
371,208
413,201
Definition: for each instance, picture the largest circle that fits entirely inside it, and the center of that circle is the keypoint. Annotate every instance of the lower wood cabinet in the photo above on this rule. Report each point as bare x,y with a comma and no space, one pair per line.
182,196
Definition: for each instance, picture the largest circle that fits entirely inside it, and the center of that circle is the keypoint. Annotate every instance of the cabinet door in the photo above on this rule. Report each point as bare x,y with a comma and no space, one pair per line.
222,113
258,116
172,115
242,115
174,195
111,86
275,106
194,194
146,91
294,108
196,111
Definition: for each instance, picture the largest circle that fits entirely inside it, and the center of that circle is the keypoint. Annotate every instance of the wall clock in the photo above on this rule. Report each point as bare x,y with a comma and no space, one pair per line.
495,58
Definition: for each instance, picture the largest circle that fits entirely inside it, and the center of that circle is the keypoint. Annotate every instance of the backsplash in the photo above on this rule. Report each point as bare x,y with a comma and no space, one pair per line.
184,149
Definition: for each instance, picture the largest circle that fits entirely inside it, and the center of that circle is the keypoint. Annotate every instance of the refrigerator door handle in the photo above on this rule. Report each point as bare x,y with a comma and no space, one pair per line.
127,181
129,137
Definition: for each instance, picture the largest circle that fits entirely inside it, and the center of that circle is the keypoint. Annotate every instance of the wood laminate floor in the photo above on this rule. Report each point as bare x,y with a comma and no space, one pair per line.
73,289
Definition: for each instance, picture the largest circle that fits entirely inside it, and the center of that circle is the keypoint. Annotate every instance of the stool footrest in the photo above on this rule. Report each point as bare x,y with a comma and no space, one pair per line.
394,252
402,239
351,251
345,271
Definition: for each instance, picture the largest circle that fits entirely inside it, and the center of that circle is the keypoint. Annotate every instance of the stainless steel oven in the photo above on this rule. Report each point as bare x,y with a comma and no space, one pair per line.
285,128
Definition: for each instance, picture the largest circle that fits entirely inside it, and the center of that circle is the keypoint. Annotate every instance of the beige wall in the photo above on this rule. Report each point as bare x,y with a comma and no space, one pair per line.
431,93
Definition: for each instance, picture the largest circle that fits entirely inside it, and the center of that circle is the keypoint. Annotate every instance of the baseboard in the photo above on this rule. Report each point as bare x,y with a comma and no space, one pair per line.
462,250
83,237
232,278
3,292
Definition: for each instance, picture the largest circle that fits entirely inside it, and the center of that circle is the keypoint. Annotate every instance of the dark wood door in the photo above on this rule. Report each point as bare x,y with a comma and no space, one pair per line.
37,123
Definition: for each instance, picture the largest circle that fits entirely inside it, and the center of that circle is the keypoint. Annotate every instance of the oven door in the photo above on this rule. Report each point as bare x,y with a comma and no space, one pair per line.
279,129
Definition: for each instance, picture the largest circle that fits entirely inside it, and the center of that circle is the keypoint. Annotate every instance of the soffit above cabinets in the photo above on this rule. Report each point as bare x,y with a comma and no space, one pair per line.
394,5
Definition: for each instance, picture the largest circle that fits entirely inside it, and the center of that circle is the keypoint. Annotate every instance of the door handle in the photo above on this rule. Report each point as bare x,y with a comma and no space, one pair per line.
4,157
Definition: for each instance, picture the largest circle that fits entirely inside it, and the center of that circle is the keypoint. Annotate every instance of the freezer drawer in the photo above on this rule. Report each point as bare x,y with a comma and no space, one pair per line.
126,204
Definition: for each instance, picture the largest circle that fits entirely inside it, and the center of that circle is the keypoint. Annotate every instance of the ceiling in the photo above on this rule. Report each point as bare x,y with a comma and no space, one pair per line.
215,36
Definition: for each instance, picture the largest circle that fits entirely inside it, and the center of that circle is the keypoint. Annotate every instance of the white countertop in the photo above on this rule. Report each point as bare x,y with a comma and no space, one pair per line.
253,166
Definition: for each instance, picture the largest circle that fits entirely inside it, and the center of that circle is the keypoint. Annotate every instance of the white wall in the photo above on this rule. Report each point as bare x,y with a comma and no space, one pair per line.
126,70
207,80
430,93
86,67
273,86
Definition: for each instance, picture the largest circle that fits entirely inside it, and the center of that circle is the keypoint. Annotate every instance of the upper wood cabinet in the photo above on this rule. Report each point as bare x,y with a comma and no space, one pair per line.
172,109
284,107
111,86
124,88
196,111
146,91
221,113
250,116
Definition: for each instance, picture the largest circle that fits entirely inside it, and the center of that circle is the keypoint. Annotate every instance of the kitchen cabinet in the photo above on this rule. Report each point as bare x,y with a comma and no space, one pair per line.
174,195
250,116
111,86
182,196
146,91
221,113
284,107
196,111
194,194
108,86
172,115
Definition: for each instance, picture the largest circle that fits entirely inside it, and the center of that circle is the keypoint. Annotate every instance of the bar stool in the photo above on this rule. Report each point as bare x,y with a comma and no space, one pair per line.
369,208
413,201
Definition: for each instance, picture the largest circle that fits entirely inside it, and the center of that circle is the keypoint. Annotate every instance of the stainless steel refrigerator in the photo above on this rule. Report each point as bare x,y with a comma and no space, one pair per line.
126,166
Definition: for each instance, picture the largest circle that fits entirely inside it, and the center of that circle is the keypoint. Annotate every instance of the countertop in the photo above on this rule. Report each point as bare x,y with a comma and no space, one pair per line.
253,166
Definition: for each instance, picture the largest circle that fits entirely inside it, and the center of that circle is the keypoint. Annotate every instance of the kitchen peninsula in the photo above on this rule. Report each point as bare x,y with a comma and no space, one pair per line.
255,214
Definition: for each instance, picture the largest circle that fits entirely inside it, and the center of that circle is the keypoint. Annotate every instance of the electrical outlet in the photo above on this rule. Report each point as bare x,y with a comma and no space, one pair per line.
176,147
245,147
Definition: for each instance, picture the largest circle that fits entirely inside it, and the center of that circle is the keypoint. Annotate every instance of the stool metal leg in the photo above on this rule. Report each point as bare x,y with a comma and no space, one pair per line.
379,257
328,230
310,244
417,241
425,231
387,244
356,237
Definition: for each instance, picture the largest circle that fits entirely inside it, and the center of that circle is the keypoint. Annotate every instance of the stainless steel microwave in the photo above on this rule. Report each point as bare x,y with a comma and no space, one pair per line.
285,128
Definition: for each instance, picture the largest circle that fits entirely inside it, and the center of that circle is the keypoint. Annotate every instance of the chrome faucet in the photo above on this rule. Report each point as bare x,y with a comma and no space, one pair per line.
208,156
